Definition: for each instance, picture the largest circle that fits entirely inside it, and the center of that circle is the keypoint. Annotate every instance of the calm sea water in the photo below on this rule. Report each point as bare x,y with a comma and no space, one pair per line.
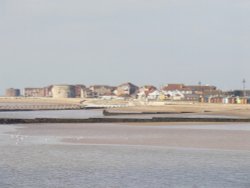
45,162
53,114
36,163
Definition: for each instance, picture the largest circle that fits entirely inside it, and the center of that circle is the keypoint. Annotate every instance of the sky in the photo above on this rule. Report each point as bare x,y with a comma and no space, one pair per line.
45,42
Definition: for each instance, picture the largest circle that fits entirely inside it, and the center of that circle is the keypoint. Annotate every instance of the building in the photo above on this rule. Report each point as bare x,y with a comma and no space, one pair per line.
192,97
145,91
155,95
241,93
172,87
202,89
177,87
48,91
34,92
192,89
12,92
63,91
217,100
229,100
78,90
102,90
175,95
87,93
127,90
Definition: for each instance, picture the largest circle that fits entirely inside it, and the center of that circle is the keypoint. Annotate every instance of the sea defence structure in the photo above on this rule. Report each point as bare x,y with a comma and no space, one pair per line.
123,120
63,91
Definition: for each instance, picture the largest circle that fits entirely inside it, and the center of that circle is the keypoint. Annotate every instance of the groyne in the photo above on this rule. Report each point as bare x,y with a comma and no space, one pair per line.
28,107
119,120
108,113
46,107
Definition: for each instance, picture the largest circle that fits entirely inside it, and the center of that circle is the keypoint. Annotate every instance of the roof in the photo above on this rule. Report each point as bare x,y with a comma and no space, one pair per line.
202,87
128,84
173,87
102,86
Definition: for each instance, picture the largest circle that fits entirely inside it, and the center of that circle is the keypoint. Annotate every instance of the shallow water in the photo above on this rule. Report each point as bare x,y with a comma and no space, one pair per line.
53,114
227,127
113,166
44,161
78,114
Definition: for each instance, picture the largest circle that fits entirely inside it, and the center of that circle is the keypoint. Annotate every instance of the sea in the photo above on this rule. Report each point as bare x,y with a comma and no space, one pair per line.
46,162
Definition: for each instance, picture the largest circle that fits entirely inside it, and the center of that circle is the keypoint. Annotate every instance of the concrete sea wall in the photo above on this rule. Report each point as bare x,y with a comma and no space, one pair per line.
118,120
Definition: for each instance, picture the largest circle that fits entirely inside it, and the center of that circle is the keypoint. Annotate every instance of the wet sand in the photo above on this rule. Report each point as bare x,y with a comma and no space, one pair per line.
177,135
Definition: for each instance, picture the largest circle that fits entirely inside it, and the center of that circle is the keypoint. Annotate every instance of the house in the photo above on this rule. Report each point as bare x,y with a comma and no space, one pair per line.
102,90
177,87
155,95
145,91
175,95
87,93
127,89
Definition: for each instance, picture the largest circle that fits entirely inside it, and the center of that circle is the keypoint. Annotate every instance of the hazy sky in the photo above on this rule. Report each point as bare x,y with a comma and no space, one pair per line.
115,41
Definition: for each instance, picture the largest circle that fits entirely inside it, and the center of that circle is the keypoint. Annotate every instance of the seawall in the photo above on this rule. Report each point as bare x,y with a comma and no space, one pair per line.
118,120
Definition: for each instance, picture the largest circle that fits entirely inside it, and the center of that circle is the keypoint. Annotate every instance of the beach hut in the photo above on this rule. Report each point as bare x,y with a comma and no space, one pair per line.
248,100
232,100
225,100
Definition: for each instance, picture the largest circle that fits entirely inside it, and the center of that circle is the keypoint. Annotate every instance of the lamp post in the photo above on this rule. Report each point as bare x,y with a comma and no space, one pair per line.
244,87
201,94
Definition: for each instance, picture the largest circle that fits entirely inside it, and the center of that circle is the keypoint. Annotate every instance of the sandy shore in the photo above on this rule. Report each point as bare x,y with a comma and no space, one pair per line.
237,110
177,135
197,108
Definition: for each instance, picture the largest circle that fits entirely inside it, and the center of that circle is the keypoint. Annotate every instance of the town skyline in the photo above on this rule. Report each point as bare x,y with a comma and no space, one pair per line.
173,86
160,86
242,84
130,92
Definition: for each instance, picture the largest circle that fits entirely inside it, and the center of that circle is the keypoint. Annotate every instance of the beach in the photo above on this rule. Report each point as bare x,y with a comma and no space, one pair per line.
237,110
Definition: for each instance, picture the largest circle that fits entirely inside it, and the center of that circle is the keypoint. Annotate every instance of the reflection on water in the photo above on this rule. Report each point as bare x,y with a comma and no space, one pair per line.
41,161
